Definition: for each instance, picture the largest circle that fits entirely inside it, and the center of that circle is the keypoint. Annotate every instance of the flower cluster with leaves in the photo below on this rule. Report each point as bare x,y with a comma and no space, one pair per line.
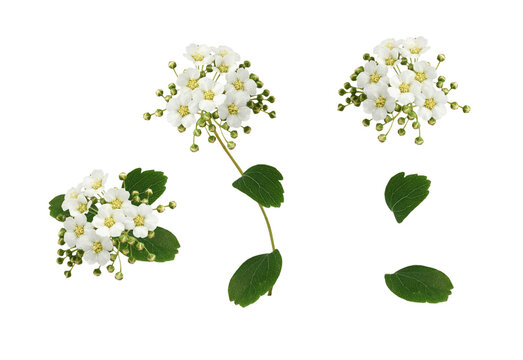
100,224
396,85
216,92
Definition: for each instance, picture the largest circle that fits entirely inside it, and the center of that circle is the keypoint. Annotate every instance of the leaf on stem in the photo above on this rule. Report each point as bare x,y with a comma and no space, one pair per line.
262,184
141,181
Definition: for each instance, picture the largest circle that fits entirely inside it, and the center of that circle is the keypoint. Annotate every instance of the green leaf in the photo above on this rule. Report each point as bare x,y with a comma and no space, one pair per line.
55,208
404,193
254,278
164,245
140,181
262,184
420,284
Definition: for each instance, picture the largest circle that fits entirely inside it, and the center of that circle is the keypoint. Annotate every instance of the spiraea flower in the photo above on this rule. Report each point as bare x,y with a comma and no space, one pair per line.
119,221
398,87
215,96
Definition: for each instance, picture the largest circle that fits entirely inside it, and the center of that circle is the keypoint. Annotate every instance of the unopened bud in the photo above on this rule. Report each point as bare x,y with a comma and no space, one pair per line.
441,57
151,257
231,145
97,272
415,125
122,176
67,274
172,64
419,140
140,246
366,122
379,126
466,109
158,112
453,85
401,132
118,275
159,92
110,268
212,139
147,116
172,204
432,121
195,148
181,128
382,137
160,208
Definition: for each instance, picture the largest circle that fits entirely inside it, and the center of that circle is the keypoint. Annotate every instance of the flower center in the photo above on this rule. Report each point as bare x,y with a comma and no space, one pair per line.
420,76
139,220
223,53
380,102
116,204
390,61
233,109
109,221
74,195
183,110
79,230
82,208
238,85
208,95
389,45
223,68
192,84
97,247
415,50
96,184
430,103
404,88
197,57
374,78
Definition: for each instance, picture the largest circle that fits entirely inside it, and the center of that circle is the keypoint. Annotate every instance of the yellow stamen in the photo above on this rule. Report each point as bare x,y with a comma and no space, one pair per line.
233,109
82,208
192,84
374,78
79,230
238,85
404,88
97,247
390,61
208,95
197,57
223,68
139,220
96,184
109,222
415,50
430,103
183,110
420,76
116,204
380,102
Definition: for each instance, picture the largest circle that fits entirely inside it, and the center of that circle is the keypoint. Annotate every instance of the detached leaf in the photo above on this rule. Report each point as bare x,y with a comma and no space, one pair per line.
55,208
140,181
404,193
420,284
164,245
254,278
262,184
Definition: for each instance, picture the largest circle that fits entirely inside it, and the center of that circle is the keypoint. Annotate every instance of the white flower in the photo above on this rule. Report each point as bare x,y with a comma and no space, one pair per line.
413,47
94,183
387,52
424,72
239,81
404,87
78,206
223,51
141,220
431,102
378,102
109,221
96,248
225,64
210,94
181,109
76,228
73,193
373,74
118,198
189,79
199,54
234,109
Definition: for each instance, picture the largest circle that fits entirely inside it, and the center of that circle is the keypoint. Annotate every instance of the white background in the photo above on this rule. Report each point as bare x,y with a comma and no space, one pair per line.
75,79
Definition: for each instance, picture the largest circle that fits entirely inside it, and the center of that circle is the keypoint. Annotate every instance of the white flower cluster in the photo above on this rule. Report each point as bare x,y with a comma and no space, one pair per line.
396,81
91,228
217,91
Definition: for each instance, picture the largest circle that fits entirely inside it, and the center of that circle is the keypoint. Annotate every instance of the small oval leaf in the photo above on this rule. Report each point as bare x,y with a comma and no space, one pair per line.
262,184
141,181
164,245
404,193
419,283
55,208
254,278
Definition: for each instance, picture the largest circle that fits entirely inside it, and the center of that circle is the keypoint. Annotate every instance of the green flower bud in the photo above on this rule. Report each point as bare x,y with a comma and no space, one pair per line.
415,125
158,112
259,84
362,97
445,91
197,132
432,121
151,257
379,126
97,272
454,105
113,257
366,56
401,132
466,109
231,145
140,246
225,126
209,68
366,122
70,264
272,114
397,107
439,84
131,240
61,241
172,204
342,92
159,92
388,119
411,115
347,100
453,85
131,260
271,99
441,57
67,274
145,201
404,61
171,86
359,70
405,109
147,116
125,251
234,134
441,78
401,120
419,140
247,129
160,208
122,176
181,128
212,128
60,252
410,67
353,77
150,235
173,92
341,107
247,63
195,148
118,275
172,64
149,192
382,137
346,86
211,139
59,261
